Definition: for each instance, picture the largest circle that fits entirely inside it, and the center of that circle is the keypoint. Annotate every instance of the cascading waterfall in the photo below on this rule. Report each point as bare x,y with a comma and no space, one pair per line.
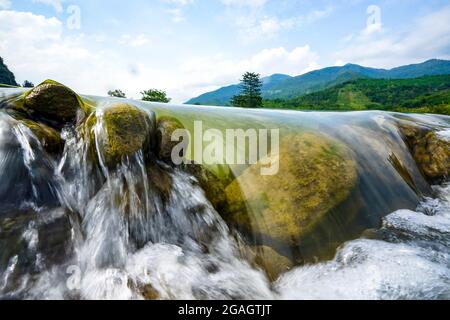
74,227
108,261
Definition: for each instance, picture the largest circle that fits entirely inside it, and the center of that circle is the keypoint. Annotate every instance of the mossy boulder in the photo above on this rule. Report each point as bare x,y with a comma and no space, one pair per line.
431,153
165,127
212,185
316,174
126,130
49,138
273,263
53,103
160,180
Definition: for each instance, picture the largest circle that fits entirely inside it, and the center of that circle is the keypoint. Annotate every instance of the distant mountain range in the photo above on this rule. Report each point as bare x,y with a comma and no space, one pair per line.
6,76
280,86
428,94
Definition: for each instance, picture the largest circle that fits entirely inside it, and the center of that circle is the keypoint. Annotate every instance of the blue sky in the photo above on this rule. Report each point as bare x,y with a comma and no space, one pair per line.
188,47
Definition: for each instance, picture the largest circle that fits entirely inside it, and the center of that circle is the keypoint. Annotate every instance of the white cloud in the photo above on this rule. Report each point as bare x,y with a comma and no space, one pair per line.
177,9
428,37
245,3
209,73
179,2
134,41
253,24
56,4
177,15
36,48
5,4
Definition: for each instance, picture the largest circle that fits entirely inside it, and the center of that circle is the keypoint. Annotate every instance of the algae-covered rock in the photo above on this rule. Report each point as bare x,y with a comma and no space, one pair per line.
166,126
49,138
316,174
431,154
127,130
160,180
212,185
273,263
52,102
149,293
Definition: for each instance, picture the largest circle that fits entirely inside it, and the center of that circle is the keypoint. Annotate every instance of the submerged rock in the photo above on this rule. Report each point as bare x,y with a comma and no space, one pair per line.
316,175
33,240
128,130
213,186
49,138
26,172
160,180
52,102
431,153
149,293
166,126
272,262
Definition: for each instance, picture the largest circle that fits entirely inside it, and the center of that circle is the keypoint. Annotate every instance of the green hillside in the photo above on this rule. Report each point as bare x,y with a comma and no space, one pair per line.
6,76
285,87
425,94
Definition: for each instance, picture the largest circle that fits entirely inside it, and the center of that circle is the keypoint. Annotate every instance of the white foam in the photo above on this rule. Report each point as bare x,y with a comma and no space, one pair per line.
414,268
444,134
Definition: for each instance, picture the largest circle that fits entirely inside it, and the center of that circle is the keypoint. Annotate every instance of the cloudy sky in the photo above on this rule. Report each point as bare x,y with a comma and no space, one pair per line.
187,47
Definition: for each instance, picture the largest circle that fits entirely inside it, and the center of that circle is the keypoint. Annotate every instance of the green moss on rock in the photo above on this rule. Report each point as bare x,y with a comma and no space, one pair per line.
49,138
212,185
165,127
316,174
273,263
160,181
52,102
128,130
431,154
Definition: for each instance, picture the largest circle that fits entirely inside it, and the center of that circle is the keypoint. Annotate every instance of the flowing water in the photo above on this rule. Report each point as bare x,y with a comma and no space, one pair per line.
74,229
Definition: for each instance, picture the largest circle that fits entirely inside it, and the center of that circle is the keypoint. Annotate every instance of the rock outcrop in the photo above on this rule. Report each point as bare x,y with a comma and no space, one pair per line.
126,130
316,174
431,153
54,103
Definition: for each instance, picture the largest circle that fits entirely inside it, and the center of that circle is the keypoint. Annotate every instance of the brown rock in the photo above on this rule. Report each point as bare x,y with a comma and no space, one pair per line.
53,102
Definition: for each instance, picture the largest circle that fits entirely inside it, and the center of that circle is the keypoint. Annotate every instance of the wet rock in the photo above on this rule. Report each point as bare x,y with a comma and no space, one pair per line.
26,172
160,180
149,293
49,138
33,241
128,130
54,103
431,154
270,261
164,144
212,185
316,174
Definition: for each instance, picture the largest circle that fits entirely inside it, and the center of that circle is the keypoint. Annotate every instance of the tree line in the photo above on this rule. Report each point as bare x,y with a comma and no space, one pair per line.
152,95
249,97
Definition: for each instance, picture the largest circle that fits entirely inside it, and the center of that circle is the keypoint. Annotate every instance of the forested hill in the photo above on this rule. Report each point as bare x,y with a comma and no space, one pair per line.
286,87
424,94
6,76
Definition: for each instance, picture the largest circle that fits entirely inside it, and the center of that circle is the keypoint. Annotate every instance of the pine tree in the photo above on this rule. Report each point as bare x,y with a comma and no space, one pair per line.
250,96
